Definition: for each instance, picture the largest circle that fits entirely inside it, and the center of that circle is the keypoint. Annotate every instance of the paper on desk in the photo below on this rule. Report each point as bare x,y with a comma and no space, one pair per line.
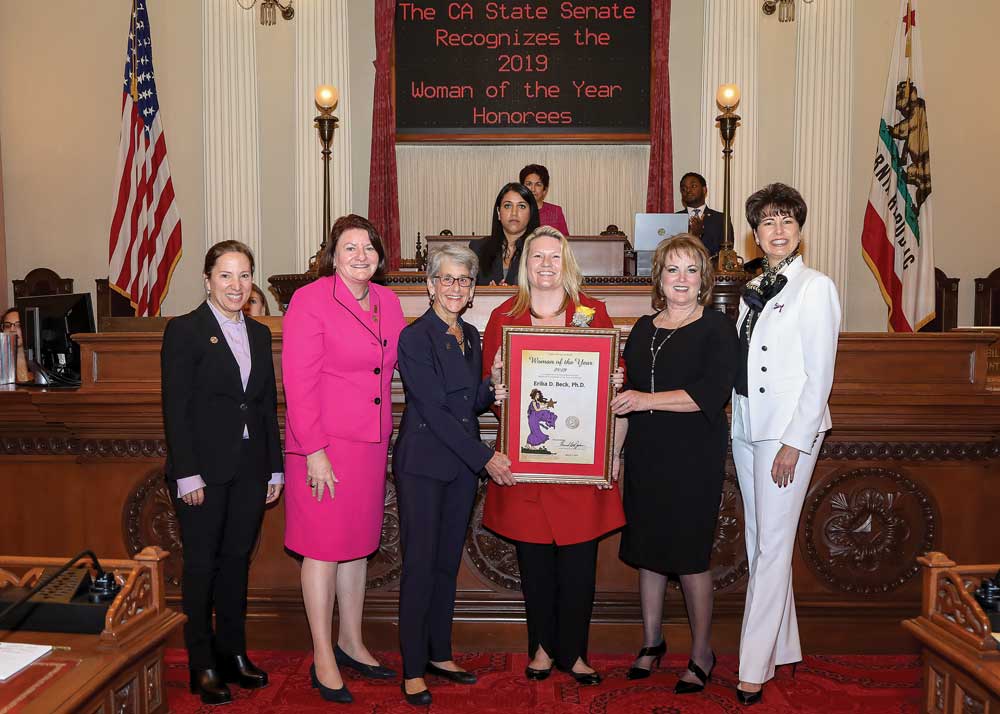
15,656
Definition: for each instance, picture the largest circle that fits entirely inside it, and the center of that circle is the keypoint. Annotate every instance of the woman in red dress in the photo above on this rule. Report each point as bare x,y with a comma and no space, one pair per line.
555,527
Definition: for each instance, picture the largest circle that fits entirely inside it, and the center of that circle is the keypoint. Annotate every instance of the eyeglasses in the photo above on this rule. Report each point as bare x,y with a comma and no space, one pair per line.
447,280
10,325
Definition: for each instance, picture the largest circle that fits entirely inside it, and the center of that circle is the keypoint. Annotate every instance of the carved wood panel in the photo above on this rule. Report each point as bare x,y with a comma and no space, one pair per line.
863,529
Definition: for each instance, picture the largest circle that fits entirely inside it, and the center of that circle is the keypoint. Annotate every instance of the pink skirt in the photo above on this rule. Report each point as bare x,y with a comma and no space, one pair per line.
349,526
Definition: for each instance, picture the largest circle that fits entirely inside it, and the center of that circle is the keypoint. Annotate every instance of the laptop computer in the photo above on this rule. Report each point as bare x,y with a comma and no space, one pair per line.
650,229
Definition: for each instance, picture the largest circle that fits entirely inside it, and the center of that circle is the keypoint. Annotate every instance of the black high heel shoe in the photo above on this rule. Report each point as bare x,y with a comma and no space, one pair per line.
371,671
655,652
683,687
584,679
537,675
458,677
422,698
339,696
749,698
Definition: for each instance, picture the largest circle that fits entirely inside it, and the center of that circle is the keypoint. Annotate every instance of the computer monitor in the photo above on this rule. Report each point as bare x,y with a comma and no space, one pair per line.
650,229
49,320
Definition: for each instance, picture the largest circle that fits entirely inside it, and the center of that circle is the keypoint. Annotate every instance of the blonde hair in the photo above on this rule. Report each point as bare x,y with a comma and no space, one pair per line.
682,243
571,276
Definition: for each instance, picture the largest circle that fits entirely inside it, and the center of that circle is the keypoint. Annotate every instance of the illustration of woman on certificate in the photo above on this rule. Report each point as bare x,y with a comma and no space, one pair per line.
540,416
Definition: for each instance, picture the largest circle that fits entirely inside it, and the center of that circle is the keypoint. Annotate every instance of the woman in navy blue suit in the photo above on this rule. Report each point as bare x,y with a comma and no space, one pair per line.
437,460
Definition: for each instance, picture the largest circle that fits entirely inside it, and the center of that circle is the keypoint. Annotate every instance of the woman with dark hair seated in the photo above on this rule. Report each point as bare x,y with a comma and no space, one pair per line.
12,325
515,215
535,178
257,304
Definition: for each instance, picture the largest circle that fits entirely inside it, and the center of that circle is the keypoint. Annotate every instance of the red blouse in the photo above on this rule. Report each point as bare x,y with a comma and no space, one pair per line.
549,512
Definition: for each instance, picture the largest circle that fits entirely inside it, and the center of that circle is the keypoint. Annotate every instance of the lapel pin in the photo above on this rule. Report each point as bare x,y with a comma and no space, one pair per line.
447,345
213,339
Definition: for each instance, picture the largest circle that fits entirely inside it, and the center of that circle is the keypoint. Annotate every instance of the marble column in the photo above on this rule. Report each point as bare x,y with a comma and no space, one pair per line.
822,137
232,128
321,57
730,57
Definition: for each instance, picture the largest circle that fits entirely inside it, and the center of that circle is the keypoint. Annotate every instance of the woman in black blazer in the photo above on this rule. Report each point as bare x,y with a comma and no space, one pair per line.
437,460
515,216
224,463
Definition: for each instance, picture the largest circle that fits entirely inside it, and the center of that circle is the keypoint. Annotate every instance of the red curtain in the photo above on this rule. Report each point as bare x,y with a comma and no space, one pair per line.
383,190
660,187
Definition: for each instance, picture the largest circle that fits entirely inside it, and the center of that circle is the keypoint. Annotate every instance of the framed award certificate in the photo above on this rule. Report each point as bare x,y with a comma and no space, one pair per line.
556,425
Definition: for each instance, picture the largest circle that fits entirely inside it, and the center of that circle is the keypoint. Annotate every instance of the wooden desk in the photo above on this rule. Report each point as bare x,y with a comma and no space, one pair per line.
121,670
961,659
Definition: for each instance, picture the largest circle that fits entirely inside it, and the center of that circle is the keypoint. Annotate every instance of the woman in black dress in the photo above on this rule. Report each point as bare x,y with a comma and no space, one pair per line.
680,364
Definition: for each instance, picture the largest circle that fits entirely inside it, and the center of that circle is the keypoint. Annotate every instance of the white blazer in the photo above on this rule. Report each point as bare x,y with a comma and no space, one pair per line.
790,363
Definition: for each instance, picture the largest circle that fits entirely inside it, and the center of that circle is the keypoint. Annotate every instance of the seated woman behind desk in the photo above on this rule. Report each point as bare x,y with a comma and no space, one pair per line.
12,325
535,178
515,215
256,306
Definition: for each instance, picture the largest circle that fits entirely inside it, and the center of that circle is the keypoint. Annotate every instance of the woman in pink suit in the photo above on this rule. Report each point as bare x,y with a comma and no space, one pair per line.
340,336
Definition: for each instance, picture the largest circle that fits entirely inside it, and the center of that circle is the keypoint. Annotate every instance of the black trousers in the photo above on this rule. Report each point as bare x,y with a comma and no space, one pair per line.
217,537
434,516
558,583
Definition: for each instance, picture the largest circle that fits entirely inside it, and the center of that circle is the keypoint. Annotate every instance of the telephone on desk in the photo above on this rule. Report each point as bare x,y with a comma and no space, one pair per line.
988,597
65,599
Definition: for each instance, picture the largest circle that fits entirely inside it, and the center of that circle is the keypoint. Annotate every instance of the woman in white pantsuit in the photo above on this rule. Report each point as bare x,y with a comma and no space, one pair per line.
789,322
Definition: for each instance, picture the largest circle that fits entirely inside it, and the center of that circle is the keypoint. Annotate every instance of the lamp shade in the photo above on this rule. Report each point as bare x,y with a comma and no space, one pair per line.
327,96
728,96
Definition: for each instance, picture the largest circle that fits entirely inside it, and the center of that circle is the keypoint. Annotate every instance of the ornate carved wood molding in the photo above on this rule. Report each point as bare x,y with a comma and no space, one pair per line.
47,445
138,447
909,451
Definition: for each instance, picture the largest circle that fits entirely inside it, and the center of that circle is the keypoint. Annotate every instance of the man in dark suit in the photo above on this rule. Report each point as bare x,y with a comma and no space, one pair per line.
703,221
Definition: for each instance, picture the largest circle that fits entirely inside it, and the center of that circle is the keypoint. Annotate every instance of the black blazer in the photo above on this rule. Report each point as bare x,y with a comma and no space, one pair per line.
204,405
711,237
445,393
496,274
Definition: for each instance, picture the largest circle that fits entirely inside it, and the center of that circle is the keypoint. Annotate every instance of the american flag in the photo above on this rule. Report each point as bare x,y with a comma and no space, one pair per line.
146,229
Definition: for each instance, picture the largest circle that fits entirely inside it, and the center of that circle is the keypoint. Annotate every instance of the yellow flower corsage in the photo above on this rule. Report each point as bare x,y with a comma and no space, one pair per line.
583,315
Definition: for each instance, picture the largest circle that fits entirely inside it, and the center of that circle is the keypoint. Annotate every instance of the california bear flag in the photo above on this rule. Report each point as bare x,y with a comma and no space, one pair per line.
896,238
